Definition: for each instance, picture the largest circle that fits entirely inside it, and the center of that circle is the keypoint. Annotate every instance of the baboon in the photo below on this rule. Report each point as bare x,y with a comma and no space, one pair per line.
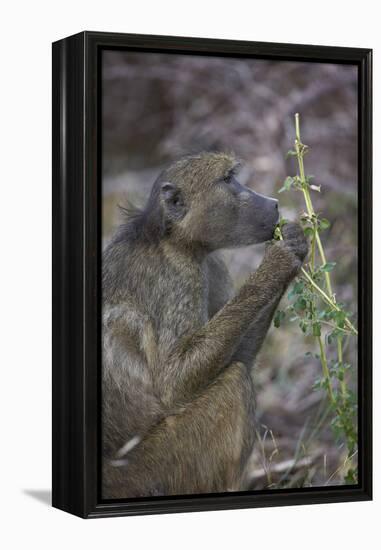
178,346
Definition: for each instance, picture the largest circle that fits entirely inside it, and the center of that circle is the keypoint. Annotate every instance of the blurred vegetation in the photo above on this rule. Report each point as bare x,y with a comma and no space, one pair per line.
157,107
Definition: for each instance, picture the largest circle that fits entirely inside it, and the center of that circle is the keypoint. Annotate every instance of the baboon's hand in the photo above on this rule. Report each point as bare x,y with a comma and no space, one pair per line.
287,256
295,240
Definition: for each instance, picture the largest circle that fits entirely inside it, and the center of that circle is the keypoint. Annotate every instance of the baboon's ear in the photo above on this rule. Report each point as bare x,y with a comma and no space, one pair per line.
168,192
173,200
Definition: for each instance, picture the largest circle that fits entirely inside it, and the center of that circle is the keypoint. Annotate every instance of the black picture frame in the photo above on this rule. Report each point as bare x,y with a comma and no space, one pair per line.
76,266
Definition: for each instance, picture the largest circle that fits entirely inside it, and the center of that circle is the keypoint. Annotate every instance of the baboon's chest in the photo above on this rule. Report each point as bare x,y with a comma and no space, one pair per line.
183,303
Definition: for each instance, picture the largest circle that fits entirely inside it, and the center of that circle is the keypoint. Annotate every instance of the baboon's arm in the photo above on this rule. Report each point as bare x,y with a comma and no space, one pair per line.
198,358
220,291
253,339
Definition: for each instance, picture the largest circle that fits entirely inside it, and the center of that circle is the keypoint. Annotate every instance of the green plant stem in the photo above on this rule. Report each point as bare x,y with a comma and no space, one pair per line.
328,300
307,199
311,212
343,385
324,364
313,244
328,297
343,330
339,402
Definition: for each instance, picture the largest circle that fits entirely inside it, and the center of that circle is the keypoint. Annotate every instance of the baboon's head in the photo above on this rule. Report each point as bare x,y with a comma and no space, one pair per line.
202,203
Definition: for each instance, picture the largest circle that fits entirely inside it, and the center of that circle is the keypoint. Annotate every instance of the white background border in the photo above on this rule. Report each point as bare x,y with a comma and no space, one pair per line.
27,30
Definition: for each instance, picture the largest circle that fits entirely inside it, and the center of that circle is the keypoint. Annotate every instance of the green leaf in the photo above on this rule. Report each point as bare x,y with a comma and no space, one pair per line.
300,304
329,266
278,229
277,234
325,383
324,223
317,385
287,184
340,318
296,289
308,231
278,318
290,153
303,326
351,476
332,336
